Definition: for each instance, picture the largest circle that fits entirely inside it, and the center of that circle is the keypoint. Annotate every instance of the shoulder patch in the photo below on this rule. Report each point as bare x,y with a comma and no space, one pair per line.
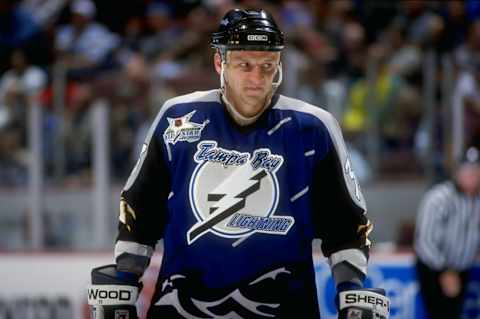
181,129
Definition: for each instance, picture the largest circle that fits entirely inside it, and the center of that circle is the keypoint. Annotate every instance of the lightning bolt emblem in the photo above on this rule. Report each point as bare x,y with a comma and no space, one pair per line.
227,204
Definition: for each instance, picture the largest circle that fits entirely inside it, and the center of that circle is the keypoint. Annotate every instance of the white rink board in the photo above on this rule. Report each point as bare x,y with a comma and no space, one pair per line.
33,284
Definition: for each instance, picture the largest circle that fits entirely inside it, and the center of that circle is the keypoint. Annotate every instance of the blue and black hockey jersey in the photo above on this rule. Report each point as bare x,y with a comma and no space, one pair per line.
238,207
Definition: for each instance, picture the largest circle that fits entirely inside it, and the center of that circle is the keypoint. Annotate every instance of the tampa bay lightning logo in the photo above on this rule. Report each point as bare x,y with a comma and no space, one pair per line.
235,194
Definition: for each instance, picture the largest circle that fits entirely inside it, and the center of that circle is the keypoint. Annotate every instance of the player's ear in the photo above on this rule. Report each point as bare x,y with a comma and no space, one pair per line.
217,59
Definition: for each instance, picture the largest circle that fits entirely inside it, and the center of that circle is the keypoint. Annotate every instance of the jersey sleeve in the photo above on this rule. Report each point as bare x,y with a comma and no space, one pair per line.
143,206
338,205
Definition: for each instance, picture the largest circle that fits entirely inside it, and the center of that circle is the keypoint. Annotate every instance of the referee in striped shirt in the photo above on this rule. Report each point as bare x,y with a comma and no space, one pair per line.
447,238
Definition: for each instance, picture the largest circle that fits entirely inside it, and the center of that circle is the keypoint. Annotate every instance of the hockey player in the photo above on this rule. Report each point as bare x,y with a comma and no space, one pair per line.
237,182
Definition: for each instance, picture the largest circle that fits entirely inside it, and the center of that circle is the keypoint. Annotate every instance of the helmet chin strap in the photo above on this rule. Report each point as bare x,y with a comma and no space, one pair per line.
239,118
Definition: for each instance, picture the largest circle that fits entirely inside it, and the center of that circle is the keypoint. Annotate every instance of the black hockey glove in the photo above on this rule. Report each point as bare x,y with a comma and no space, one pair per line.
113,294
362,303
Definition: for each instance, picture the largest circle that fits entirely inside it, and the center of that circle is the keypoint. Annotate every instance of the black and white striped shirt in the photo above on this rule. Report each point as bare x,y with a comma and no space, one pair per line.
448,228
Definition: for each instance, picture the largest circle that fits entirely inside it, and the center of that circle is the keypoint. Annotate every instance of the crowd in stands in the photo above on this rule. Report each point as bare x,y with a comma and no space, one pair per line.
139,53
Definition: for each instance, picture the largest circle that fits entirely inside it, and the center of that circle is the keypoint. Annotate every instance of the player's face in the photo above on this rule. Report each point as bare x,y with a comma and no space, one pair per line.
248,79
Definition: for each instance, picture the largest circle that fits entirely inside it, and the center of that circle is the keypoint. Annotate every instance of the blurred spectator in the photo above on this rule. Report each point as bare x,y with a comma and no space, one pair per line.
429,32
296,17
192,54
457,22
165,31
375,16
389,102
17,25
131,40
359,116
406,58
18,29
12,158
19,83
351,59
17,88
43,11
77,136
412,15
469,52
85,45
339,14
305,60
447,238
473,9
466,97
87,49
131,114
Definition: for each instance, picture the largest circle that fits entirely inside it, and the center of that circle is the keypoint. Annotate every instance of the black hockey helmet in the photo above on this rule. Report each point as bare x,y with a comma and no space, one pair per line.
254,30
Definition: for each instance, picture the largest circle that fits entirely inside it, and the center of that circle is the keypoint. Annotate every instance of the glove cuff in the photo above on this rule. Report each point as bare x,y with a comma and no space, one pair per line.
372,302
108,295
